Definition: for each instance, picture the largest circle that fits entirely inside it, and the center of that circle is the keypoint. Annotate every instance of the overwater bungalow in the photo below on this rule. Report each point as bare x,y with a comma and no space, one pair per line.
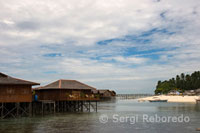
15,96
66,90
105,94
67,95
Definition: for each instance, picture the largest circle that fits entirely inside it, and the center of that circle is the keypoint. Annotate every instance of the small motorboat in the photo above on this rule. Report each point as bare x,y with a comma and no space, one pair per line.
156,99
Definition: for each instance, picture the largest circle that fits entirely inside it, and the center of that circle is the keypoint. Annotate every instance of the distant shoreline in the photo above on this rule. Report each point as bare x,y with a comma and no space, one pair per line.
184,99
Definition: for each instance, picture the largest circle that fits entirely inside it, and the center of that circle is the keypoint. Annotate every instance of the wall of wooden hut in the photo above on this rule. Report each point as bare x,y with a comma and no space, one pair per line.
62,94
15,93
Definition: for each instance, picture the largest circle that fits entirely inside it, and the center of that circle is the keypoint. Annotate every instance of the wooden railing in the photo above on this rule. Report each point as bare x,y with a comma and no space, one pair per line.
83,97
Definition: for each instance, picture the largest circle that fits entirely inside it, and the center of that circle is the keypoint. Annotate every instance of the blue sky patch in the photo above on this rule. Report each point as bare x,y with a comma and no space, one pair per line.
127,38
143,38
156,30
53,55
150,53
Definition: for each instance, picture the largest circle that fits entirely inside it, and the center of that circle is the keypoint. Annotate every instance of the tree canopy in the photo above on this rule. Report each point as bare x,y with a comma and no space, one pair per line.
180,83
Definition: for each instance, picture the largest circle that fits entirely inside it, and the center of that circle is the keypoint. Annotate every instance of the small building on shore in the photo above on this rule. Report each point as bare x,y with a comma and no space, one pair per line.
197,91
173,92
190,92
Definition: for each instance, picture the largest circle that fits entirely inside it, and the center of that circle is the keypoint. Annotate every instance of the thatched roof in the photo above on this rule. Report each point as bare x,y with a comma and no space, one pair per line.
66,84
7,80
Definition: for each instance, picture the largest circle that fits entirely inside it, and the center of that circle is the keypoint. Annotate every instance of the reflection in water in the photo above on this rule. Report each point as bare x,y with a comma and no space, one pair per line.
89,122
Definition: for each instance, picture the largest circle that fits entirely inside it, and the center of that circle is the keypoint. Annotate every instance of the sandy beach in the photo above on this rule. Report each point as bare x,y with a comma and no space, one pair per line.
191,99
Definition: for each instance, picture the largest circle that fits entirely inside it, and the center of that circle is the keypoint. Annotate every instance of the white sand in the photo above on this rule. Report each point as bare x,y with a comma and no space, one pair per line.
191,99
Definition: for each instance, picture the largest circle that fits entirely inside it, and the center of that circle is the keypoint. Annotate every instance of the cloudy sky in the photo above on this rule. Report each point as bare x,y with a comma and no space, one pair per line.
125,45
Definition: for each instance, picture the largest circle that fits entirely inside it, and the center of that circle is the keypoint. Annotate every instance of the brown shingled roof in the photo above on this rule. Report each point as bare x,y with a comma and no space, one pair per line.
66,84
5,79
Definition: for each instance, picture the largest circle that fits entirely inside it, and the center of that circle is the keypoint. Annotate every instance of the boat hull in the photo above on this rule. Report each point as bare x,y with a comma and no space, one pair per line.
157,100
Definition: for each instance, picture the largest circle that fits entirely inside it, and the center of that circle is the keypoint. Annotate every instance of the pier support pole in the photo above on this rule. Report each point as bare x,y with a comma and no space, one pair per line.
78,106
42,109
58,109
65,103
54,106
2,108
17,106
30,109
74,106
96,106
89,106
81,106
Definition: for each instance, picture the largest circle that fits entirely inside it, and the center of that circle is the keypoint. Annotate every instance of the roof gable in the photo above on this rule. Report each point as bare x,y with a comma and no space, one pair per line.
67,84
5,79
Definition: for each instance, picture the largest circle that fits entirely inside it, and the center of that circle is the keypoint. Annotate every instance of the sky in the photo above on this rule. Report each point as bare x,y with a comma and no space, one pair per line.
124,45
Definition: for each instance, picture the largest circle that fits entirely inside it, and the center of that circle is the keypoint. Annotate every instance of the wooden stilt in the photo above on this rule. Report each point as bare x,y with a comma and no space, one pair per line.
58,108
50,109
17,107
54,105
89,106
74,106
42,109
2,110
64,106
96,106
30,109
67,108
81,106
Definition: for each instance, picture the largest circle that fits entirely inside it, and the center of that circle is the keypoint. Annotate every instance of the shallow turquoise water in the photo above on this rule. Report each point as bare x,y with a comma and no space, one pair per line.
120,113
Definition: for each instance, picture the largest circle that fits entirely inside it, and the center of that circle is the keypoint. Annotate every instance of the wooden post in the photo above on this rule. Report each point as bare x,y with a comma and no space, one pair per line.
81,106
96,106
61,106
42,109
67,106
17,106
89,106
54,107
58,108
74,106
78,106
30,109
64,106
2,111
50,109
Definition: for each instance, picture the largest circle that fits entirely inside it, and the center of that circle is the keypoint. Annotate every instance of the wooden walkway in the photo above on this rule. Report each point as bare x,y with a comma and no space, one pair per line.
132,96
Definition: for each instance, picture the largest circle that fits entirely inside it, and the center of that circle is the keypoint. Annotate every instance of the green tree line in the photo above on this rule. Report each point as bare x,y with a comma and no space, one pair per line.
180,83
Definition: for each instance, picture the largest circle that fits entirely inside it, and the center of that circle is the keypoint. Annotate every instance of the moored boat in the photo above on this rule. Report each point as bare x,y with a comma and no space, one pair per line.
158,100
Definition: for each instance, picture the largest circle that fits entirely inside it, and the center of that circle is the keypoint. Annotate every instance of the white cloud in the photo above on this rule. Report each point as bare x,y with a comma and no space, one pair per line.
131,60
31,29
